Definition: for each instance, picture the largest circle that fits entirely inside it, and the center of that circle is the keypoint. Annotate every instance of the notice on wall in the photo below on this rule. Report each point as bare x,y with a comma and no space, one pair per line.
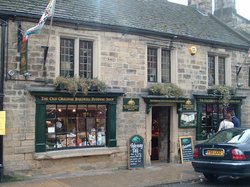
186,147
2,122
136,152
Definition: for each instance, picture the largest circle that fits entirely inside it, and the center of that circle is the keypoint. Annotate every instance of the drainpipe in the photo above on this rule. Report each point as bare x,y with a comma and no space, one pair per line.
3,31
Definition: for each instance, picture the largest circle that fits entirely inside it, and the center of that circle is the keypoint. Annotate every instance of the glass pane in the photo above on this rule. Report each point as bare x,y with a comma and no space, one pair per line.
85,59
101,124
212,114
211,70
66,57
222,71
75,125
165,66
152,64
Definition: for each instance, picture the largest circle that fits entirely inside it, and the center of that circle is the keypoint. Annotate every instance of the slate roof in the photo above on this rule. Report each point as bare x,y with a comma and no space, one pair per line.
158,17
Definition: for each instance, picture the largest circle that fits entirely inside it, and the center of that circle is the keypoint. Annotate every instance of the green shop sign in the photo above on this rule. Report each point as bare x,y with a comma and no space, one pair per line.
130,104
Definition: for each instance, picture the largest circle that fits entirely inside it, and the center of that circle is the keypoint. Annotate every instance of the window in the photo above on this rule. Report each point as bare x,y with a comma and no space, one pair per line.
211,70
216,70
68,58
222,71
66,122
159,69
211,116
75,125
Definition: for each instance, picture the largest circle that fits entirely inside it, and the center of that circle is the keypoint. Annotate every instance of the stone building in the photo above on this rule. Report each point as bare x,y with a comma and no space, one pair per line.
132,46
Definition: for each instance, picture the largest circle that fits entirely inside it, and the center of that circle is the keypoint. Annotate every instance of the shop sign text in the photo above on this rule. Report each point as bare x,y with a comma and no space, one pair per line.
91,99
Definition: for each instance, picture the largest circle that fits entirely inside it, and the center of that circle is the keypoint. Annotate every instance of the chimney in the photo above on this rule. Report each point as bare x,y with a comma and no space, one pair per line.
224,9
204,6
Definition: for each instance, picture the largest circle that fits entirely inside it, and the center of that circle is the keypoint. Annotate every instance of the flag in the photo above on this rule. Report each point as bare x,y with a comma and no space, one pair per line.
48,12
248,54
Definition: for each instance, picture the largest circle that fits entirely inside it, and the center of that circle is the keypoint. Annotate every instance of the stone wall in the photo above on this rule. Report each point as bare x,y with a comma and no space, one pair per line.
121,63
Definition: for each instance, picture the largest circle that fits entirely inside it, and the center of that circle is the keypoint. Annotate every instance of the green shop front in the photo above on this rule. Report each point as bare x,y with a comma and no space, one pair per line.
66,121
210,111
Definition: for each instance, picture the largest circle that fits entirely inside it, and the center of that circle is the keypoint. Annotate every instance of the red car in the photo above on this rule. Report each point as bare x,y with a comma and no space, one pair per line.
227,153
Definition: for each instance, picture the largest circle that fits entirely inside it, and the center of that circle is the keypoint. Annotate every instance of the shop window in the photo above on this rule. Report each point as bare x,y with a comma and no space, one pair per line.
75,125
159,69
212,115
76,57
216,70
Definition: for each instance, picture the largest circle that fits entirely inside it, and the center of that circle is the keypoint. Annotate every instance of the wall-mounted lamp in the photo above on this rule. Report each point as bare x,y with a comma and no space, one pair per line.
11,73
27,75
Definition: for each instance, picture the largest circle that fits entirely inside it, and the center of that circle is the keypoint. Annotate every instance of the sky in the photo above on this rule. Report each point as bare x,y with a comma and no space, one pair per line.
242,6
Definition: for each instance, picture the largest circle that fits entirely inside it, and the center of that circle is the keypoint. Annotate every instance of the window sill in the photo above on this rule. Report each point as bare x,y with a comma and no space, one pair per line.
75,153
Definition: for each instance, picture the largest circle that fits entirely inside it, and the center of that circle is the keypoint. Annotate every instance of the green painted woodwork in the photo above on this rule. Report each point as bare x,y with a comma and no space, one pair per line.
44,97
235,102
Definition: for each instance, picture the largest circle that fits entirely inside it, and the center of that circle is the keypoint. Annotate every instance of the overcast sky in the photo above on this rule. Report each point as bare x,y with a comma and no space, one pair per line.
242,6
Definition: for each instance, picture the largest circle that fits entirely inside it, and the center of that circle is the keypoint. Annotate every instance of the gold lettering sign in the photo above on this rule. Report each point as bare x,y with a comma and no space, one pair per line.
130,105
94,99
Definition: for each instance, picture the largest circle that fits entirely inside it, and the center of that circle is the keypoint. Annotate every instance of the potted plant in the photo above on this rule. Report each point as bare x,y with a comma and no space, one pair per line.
66,83
166,89
225,92
97,85
75,84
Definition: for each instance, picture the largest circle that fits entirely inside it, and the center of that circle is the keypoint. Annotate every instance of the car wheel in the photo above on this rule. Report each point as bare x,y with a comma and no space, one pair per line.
210,177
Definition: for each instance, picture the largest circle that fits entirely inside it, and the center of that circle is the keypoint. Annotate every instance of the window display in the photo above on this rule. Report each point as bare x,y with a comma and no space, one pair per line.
75,126
212,114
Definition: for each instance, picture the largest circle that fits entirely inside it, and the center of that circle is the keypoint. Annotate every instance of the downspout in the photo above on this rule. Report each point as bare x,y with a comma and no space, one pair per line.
3,33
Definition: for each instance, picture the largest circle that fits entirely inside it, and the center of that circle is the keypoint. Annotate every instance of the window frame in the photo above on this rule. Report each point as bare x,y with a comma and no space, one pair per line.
42,99
95,52
159,64
216,69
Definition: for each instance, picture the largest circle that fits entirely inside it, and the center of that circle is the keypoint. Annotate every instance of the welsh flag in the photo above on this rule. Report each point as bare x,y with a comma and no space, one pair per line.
48,12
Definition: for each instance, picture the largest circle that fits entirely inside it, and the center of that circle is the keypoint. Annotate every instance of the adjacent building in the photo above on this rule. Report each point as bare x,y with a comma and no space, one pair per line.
131,46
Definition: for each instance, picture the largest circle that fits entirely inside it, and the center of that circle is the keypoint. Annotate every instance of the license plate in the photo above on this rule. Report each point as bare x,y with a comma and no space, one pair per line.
214,152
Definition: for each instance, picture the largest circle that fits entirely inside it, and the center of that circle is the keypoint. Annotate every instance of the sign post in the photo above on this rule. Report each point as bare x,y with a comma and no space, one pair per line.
136,152
186,147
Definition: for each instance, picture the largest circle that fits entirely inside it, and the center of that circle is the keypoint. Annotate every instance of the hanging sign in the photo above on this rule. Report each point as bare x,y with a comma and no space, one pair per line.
2,122
186,147
136,152
130,105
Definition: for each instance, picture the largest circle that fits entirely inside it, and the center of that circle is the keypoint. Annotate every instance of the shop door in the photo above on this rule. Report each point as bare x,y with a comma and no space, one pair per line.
160,144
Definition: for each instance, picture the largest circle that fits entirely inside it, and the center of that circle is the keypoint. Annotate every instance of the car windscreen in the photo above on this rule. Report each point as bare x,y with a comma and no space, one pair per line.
230,136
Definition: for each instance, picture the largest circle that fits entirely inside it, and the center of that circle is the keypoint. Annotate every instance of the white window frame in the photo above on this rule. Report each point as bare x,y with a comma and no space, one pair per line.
228,80
159,59
76,39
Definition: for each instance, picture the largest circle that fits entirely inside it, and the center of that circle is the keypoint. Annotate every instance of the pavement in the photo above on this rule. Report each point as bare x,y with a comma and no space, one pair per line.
156,174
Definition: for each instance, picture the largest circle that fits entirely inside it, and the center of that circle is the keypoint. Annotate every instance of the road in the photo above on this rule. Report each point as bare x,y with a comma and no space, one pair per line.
222,182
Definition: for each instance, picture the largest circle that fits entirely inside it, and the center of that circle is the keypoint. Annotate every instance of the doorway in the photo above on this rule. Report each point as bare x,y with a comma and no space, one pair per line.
160,140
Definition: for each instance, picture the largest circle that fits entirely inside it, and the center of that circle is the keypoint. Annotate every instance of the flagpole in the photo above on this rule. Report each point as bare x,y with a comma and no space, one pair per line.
46,48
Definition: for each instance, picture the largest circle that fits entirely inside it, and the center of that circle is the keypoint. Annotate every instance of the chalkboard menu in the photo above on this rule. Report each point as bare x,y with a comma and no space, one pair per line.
186,147
136,152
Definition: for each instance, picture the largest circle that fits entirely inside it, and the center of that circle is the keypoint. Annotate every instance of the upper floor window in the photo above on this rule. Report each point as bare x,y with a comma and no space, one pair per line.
159,66
216,70
76,58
